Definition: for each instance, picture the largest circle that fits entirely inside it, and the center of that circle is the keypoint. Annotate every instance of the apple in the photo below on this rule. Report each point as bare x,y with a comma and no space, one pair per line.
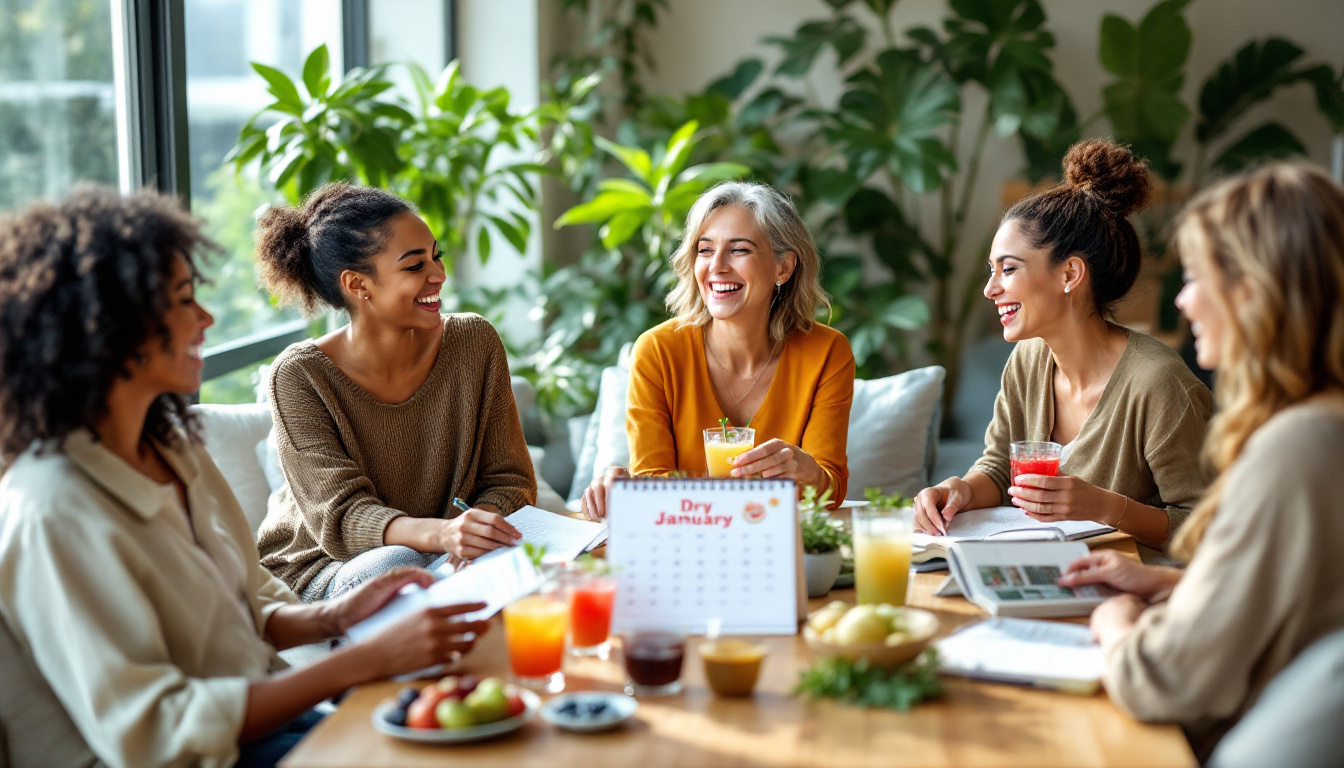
516,705
421,712
452,685
488,702
467,684
452,713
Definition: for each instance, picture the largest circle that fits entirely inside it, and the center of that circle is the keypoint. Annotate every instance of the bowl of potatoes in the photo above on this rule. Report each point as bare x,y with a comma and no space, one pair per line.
886,635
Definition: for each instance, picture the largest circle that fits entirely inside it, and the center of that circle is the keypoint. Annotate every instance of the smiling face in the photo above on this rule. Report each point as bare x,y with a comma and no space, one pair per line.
409,275
1027,291
1201,303
173,364
735,269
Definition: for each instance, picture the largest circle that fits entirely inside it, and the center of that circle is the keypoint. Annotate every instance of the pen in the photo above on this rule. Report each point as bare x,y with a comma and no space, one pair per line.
460,504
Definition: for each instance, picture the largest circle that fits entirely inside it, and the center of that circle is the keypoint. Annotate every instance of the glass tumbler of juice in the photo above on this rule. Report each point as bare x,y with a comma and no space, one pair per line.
534,630
591,598
653,662
722,444
1026,457
882,539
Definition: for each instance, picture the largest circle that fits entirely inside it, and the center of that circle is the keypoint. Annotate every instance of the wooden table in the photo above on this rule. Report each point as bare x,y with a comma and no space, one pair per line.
972,724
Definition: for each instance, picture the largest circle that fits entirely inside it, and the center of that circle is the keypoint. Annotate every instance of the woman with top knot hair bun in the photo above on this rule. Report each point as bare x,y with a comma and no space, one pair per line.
383,425
1129,413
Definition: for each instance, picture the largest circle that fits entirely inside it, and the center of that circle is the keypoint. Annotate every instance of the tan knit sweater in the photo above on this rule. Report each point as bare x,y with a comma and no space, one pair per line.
1264,584
1142,439
352,463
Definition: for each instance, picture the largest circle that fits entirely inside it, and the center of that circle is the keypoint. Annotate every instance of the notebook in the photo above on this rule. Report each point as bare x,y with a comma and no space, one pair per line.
1020,578
1001,524
1044,654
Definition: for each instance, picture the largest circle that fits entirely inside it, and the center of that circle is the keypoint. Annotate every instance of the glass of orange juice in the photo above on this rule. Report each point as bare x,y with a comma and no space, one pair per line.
882,539
534,630
722,444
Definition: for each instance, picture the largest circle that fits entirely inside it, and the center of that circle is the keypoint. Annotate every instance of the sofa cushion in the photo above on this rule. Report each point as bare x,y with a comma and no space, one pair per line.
893,431
231,436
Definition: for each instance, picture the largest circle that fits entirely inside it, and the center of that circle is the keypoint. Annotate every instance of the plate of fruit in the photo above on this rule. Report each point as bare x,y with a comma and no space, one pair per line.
886,635
456,709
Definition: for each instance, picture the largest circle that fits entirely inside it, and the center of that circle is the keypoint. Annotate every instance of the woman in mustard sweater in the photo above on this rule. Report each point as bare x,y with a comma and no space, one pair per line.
742,346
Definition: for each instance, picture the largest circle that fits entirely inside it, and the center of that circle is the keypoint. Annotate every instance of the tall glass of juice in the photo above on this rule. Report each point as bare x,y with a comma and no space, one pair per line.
723,444
882,538
1027,457
534,630
591,598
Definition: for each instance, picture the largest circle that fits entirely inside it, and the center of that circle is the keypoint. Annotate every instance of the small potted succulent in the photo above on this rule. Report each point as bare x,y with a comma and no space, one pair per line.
823,536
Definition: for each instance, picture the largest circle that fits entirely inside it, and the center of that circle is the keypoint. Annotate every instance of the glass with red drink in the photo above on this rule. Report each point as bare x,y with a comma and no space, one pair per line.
592,595
1033,458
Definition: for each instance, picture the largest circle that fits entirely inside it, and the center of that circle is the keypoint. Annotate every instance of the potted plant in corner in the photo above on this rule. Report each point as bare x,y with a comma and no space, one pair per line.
822,537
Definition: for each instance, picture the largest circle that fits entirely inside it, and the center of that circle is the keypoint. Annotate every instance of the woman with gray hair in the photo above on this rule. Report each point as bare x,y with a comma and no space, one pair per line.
742,346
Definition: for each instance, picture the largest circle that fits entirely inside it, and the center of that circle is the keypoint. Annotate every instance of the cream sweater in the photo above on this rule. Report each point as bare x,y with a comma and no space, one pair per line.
352,464
1266,582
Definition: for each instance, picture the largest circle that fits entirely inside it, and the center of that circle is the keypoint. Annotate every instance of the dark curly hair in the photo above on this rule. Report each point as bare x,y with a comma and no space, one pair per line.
1088,215
83,285
301,252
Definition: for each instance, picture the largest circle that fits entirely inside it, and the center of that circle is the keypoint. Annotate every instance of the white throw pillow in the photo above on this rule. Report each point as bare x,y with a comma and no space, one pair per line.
268,456
613,448
893,431
547,498
231,436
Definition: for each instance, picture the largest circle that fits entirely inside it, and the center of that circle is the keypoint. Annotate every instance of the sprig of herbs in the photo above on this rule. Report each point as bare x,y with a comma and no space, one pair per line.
856,682
534,553
821,532
879,500
723,425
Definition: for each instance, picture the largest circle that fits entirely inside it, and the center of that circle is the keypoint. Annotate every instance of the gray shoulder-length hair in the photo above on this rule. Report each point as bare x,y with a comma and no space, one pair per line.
799,299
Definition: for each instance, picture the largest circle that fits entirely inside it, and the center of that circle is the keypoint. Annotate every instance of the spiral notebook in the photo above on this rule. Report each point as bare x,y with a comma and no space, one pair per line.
688,551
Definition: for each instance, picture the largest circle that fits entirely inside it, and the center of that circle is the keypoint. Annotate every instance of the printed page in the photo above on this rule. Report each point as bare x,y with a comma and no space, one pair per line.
687,551
495,581
1023,650
565,538
1022,573
1009,523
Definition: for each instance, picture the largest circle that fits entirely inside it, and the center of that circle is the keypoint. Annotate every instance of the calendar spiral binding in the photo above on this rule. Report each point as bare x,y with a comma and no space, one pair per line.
702,483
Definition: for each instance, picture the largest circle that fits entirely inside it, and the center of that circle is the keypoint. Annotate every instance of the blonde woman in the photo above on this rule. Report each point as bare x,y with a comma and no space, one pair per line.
1264,269
743,346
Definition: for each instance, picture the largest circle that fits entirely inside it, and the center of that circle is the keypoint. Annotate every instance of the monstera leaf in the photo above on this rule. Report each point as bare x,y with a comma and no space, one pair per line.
1253,73
893,115
1270,141
841,33
1144,104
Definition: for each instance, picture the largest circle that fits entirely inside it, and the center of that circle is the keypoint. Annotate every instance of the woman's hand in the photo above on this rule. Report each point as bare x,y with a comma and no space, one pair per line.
1114,619
423,639
935,506
475,532
1121,573
594,505
1051,499
777,459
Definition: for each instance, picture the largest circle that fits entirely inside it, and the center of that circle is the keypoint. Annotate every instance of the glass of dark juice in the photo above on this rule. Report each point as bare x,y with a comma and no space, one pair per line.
653,662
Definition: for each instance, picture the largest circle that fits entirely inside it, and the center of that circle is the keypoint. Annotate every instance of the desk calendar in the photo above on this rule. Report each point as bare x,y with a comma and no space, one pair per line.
687,551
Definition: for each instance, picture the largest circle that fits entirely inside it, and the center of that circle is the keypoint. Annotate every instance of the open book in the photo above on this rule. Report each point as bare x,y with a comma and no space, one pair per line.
1045,654
1019,579
1001,524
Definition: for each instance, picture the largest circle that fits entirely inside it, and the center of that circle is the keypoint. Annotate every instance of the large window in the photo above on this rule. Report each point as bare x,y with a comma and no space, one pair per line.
57,106
223,37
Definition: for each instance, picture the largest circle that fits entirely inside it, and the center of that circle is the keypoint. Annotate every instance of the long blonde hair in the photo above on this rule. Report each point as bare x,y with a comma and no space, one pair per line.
799,299
1277,234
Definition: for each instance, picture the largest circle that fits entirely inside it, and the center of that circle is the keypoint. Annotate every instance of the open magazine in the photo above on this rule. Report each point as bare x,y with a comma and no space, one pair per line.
1021,579
1000,524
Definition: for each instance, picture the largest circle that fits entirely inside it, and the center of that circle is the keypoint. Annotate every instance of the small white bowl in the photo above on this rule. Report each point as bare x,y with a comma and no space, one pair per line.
457,735
619,709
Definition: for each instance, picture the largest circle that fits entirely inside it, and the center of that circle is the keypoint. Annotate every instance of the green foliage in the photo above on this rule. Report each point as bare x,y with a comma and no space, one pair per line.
821,532
445,156
856,682
878,500
1148,60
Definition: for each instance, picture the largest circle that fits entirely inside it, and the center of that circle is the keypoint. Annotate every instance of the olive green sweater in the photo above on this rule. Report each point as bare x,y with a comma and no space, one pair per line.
352,464
1143,438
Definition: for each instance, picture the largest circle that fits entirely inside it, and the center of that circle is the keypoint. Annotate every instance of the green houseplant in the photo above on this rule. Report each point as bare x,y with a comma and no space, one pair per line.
823,536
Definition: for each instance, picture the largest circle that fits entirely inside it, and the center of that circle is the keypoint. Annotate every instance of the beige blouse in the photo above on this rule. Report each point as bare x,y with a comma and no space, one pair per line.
1266,582
147,628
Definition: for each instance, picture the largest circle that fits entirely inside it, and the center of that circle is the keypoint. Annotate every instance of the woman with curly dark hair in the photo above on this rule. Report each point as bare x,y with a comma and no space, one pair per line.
389,427
1128,412
128,576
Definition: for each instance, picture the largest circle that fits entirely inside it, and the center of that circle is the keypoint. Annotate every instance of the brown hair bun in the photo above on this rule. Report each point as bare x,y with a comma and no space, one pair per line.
1111,173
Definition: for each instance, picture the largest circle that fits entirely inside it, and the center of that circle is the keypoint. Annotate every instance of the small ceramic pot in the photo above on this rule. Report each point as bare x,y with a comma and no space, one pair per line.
821,571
